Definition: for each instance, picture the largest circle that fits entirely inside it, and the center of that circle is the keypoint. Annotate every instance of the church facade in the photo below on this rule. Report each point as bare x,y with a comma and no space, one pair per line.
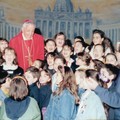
2,22
112,30
63,18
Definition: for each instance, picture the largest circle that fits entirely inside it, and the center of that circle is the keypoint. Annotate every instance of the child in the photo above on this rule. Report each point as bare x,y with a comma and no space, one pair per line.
83,60
10,63
44,90
59,61
50,62
78,47
50,46
3,44
19,106
4,85
111,58
32,75
98,52
63,101
108,45
90,106
67,52
97,38
110,96
81,39
59,40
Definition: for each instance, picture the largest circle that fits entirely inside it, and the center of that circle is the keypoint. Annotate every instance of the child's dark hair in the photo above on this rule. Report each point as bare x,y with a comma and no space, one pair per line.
81,39
69,46
4,39
11,49
94,75
98,64
112,70
100,32
112,55
85,57
1,59
68,42
82,43
60,33
52,54
42,63
3,76
68,83
50,40
48,74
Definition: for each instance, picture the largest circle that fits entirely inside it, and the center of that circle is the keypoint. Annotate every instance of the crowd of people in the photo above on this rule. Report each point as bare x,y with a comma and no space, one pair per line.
57,79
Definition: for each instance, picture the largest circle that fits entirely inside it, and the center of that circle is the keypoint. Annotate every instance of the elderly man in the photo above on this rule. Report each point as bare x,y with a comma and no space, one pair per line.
28,45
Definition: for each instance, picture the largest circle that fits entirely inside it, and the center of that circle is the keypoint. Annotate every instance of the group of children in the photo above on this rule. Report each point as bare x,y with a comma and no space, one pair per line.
75,81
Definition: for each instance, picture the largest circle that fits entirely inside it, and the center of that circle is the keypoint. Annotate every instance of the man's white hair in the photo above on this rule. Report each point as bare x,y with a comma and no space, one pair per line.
25,24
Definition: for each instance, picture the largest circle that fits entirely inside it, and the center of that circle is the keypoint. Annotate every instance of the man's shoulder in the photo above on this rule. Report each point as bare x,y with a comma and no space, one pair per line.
18,36
40,37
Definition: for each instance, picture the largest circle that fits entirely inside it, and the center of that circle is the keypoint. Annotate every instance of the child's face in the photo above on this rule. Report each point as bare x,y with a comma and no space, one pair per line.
28,75
50,60
98,52
76,39
97,39
58,62
60,40
9,56
44,77
78,47
3,45
110,59
50,46
66,51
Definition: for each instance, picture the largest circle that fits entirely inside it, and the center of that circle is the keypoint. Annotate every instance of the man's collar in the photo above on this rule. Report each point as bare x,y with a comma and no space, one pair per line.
24,38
